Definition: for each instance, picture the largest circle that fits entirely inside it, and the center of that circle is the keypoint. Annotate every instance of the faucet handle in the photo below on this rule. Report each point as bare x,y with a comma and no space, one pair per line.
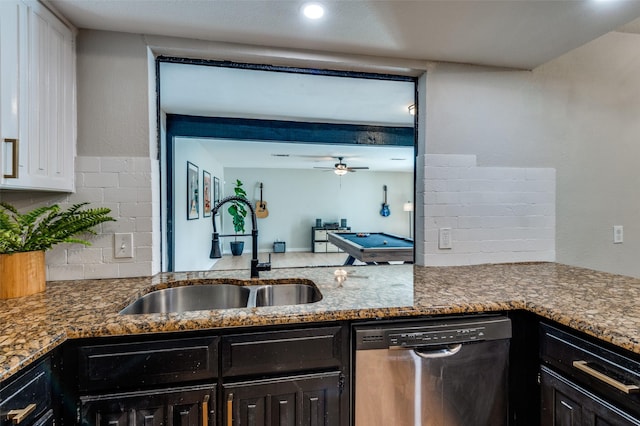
265,266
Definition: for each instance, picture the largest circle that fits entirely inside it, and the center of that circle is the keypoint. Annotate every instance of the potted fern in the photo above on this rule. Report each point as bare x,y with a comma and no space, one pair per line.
238,212
24,237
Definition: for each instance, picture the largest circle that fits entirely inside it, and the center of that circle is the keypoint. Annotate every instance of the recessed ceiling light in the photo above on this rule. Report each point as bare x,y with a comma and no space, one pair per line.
313,10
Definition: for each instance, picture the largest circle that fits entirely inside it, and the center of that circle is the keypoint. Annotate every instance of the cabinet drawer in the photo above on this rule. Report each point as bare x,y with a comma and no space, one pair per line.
319,247
30,392
133,365
612,375
278,352
320,235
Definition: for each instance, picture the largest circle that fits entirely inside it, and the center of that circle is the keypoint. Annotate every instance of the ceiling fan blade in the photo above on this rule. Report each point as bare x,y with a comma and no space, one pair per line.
357,168
325,168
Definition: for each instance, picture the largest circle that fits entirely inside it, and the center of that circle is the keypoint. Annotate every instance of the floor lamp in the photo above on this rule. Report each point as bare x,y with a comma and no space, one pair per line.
408,207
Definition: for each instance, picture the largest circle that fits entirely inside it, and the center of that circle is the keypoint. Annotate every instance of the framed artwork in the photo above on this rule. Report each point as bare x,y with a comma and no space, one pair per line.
206,194
216,191
193,201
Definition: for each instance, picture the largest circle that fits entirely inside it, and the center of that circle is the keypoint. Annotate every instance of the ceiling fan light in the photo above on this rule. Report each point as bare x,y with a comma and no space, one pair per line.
340,172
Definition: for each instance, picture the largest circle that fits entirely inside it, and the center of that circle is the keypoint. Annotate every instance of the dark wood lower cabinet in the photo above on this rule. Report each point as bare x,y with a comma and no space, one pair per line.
566,404
306,400
189,406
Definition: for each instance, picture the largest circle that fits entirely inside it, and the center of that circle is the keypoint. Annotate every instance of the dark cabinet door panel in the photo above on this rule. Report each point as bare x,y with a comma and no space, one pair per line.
565,403
281,351
189,406
134,365
294,401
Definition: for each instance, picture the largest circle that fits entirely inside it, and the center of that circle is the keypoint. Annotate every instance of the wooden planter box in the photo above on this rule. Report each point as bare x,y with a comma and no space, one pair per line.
22,274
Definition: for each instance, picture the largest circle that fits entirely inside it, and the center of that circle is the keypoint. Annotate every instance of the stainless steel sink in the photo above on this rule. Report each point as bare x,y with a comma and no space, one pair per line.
223,296
190,298
287,294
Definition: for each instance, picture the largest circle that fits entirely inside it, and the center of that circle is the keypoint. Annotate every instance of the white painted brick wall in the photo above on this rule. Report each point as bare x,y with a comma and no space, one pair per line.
497,214
123,185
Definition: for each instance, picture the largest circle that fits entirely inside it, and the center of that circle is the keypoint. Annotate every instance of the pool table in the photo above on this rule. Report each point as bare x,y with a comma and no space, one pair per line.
373,247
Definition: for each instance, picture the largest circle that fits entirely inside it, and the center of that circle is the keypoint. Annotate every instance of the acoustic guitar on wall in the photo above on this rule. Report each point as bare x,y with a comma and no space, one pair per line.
261,206
384,211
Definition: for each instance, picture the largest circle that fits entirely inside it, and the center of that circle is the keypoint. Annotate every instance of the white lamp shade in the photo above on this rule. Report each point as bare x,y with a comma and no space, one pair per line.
408,206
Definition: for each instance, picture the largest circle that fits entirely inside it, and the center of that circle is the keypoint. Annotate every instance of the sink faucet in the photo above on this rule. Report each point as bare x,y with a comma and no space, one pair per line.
256,266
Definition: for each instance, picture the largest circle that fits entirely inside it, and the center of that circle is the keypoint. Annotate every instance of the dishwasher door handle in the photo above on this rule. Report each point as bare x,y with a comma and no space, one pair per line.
438,353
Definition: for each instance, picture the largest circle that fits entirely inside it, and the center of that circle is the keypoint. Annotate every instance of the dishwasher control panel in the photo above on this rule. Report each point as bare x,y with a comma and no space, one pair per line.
431,332
445,337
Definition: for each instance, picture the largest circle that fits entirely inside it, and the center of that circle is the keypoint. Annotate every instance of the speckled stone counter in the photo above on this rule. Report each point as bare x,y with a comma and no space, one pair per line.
600,304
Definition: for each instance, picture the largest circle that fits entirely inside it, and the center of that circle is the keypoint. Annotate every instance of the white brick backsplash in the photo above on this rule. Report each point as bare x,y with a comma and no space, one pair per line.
144,224
117,164
138,269
124,185
135,180
84,255
135,210
121,195
144,254
100,180
143,239
101,271
64,272
497,214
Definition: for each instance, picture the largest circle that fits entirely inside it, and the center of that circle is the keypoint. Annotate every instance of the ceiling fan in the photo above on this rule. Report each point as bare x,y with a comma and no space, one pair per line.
341,168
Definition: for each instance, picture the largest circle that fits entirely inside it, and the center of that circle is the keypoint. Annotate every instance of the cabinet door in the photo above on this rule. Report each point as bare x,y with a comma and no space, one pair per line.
13,64
193,406
38,114
311,400
566,404
27,400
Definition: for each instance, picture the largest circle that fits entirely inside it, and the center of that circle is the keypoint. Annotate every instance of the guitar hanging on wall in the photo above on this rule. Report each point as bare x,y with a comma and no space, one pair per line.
384,211
261,206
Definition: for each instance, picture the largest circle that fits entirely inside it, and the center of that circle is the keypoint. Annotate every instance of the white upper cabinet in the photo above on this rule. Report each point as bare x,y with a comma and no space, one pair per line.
37,98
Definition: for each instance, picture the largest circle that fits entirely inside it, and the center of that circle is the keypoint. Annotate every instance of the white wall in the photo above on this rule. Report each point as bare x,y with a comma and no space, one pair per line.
577,114
192,237
295,198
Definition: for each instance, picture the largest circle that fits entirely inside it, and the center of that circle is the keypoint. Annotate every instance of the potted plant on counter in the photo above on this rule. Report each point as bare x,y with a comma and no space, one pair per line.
24,237
238,212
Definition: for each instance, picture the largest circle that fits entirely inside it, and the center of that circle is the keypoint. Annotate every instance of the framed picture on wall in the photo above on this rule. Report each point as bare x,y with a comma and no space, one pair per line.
206,194
193,201
216,191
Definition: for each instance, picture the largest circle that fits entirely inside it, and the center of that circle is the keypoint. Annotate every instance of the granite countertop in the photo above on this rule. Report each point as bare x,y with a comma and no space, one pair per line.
600,304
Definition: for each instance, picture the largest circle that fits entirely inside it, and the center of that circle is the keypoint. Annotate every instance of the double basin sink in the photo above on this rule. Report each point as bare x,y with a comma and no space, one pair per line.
225,295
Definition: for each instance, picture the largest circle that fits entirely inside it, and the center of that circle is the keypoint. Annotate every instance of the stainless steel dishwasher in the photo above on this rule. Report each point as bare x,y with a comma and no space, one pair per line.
441,372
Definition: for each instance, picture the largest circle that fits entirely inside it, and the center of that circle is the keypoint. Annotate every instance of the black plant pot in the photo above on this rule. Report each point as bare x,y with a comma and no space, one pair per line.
237,247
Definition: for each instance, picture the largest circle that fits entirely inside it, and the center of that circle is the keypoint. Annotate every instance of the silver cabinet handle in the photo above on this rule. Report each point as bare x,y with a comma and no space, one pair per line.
583,366
14,158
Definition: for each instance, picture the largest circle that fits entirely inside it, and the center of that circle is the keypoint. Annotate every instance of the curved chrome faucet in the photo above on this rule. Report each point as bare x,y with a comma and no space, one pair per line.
256,266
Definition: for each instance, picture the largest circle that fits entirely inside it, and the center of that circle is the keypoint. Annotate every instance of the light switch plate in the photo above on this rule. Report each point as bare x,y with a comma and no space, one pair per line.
618,234
444,238
123,245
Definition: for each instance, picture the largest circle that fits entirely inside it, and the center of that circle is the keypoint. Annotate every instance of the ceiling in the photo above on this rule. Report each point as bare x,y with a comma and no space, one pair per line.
506,33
